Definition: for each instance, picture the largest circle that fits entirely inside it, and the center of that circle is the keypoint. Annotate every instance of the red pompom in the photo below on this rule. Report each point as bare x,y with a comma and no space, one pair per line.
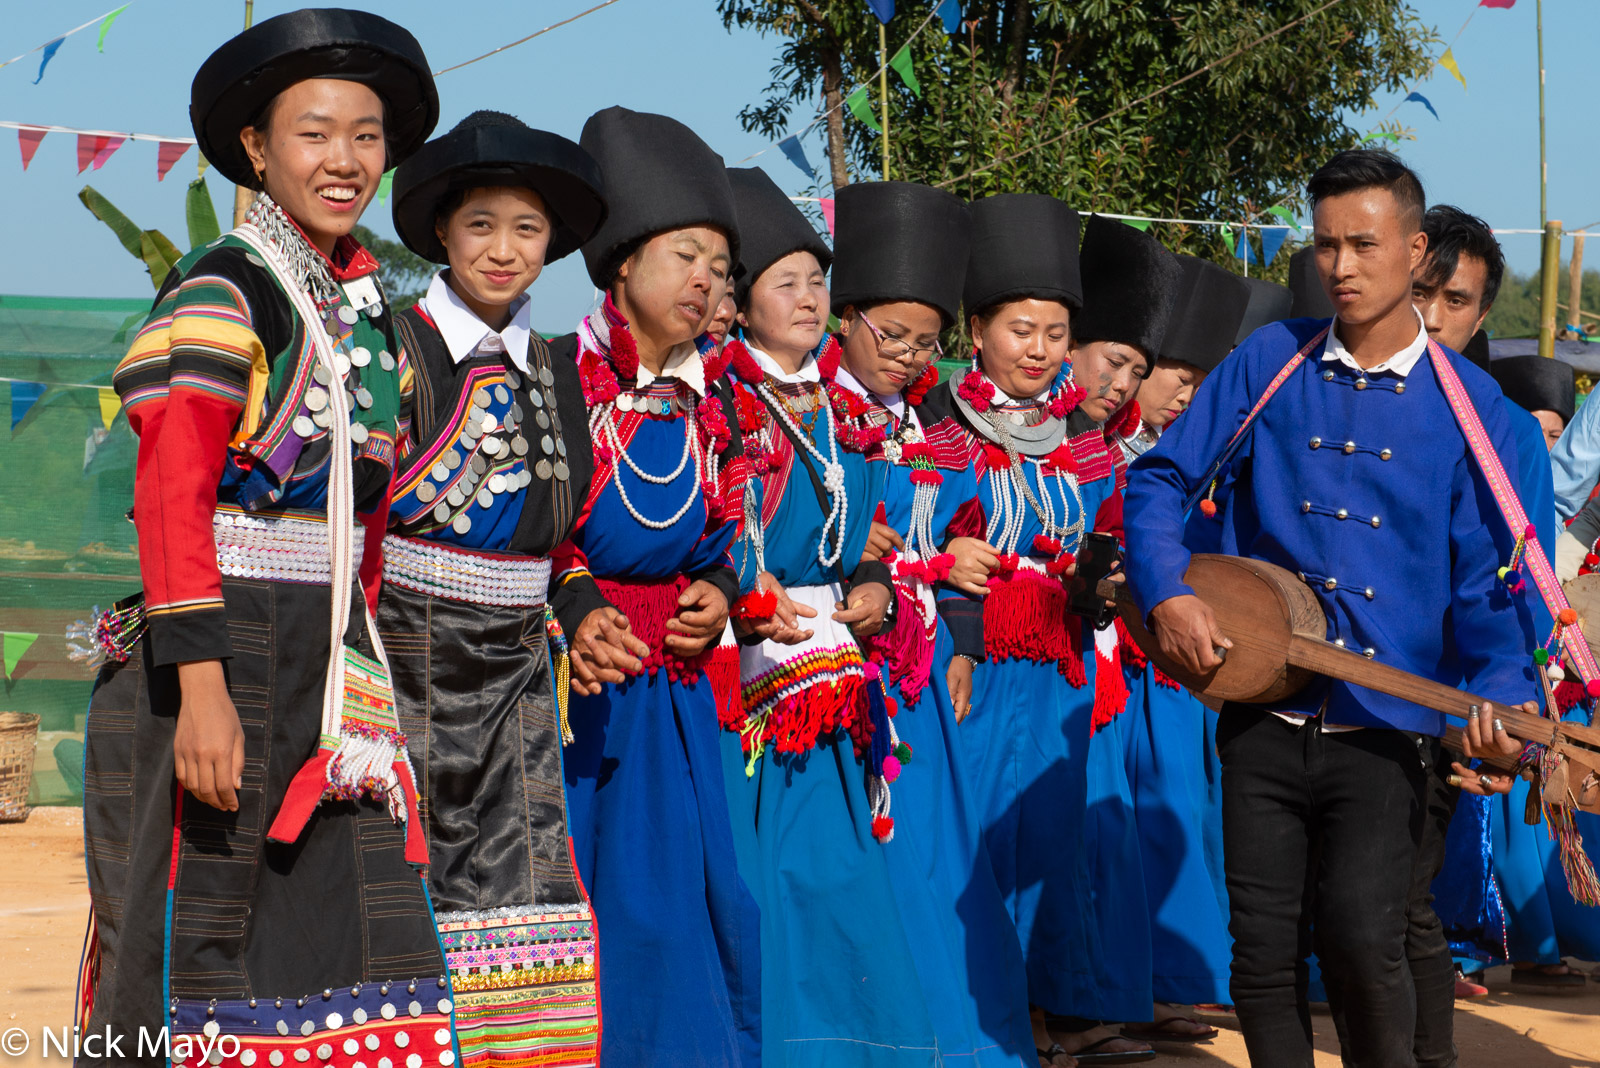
1591,559
1208,508
882,827
1592,688
1568,617
919,389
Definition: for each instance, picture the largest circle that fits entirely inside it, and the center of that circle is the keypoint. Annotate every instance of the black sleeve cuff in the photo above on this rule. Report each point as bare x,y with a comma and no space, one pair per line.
872,571
963,617
179,639
1586,527
574,599
723,578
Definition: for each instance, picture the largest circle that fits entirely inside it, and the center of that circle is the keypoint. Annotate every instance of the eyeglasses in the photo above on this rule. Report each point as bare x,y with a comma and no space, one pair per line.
898,347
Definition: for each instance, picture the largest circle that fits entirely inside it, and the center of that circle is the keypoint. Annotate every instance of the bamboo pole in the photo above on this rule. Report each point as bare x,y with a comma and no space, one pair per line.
1550,267
1575,280
883,93
242,197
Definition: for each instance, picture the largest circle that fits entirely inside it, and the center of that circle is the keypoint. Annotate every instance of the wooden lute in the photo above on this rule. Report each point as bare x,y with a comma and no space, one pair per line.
1277,628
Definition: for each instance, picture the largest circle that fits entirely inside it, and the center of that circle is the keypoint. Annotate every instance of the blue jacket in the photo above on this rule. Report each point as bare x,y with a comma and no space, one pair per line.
1363,485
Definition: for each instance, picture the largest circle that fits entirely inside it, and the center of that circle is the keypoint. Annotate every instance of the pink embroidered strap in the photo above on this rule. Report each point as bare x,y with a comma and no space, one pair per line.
1250,417
1505,495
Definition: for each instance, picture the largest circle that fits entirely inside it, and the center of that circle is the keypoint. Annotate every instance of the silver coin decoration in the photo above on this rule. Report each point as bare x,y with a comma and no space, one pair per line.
360,356
542,419
426,492
341,364
385,360
513,379
543,469
485,498
348,315
440,472
519,445
316,398
456,498
358,433
321,374
461,525
535,396
561,471
452,459
303,426
324,418
480,397
441,512
546,445
546,377
364,397
501,395
497,483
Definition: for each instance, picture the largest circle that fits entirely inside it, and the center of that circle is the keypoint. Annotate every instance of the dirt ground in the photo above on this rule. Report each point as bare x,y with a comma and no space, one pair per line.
44,902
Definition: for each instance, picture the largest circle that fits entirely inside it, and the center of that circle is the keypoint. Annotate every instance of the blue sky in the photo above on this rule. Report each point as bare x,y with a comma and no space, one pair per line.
671,56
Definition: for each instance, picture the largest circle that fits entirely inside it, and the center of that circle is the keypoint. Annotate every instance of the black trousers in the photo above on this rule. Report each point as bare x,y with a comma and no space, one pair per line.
1433,969
1320,834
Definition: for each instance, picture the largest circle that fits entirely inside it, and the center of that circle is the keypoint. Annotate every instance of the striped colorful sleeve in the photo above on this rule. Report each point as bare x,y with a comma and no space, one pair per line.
185,382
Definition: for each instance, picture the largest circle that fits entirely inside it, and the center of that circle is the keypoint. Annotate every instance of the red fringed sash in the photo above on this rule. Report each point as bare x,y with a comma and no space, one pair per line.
648,605
906,652
1025,617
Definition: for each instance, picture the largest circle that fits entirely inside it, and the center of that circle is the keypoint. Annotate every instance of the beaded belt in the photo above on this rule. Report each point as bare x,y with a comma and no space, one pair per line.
477,578
280,548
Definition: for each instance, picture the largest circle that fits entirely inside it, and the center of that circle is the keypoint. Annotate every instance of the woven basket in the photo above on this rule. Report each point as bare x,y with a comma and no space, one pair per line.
19,732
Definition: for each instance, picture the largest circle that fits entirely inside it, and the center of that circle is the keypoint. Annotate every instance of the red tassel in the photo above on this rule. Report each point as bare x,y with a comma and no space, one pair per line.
416,837
907,650
1025,618
1110,692
882,827
305,790
722,672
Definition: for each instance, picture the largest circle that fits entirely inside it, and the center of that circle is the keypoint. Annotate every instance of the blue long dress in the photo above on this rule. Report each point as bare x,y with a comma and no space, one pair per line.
679,965
1026,741
964,942
839,982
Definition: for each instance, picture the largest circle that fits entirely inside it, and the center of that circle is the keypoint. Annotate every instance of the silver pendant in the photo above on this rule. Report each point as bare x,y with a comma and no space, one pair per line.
485,498
561,471
543,469
358,433
385,360
360,356
452,459
497,483
441,512
440,472
480,397
461,525
316,398
348,315
426,492
513,379
501,395
546,377
303,426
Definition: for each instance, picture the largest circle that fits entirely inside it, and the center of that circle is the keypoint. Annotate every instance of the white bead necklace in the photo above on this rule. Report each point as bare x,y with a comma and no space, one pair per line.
601,418
832,474
1011,492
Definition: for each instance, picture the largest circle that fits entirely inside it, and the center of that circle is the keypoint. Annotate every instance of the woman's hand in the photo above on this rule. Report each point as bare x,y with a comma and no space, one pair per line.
975,559
702,616
867,606
603,650
784,625
880,541
958,677
208,744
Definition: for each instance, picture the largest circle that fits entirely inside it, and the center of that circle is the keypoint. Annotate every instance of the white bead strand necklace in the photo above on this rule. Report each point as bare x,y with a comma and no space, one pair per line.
602,419
832,474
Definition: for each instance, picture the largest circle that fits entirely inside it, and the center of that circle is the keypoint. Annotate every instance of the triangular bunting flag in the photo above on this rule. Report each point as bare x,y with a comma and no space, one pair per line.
28,140
89,146
1496,3
900,63
1227,235
1285,214
1243,251
105,26
1448,62
790,146
826,204
168,153
860,105
110,146
110,405
384,184
1138,224
16,646
201,163
24,395
1419,98
950,12
50,51
1272,239
884,9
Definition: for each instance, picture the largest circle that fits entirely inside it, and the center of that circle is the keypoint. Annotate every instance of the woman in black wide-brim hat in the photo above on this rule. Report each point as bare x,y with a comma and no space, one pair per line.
492,470
642,592
250,814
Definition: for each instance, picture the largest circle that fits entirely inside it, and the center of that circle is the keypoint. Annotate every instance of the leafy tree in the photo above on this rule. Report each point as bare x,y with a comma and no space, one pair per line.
1084,99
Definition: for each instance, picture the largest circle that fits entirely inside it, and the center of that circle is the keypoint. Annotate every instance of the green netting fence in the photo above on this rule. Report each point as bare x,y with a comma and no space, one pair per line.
66,484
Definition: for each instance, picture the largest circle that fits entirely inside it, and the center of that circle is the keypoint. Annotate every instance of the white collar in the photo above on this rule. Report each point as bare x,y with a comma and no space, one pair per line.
1400,363
1002,399
896,403
808,372
682,363
465,335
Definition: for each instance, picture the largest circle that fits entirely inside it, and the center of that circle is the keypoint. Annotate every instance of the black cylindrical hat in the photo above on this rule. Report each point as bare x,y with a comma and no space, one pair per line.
489,148
899,241
1129,285
1476,350
1269,302
659,176
1024,246
242,77
1310,300
770,227
1537,383
1205,317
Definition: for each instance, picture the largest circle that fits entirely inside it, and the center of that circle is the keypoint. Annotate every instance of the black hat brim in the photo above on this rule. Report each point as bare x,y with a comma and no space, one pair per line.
237,82
566,178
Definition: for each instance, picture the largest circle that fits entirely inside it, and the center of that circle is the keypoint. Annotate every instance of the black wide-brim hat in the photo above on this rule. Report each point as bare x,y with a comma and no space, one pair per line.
1205,319
1024,247
659,176
1537,383
237,81
1129,285
1269,302
1476,350
897,241
492,149
1309,299
770,227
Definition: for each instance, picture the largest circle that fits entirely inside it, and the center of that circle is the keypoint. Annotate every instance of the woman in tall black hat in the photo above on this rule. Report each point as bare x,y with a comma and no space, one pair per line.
492,470
1168,736
251,830
1541,386
643,590
1019,415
